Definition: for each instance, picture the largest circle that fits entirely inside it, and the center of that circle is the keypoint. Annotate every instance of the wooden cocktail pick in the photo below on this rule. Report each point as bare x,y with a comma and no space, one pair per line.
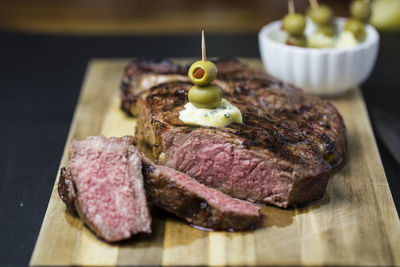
203,47
314,4
291,7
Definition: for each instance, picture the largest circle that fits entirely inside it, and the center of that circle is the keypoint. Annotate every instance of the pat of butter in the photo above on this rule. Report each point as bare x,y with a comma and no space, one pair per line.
223,115
346,40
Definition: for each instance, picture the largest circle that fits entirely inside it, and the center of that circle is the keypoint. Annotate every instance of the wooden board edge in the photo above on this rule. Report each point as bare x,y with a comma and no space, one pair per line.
34,261
392,222
374,143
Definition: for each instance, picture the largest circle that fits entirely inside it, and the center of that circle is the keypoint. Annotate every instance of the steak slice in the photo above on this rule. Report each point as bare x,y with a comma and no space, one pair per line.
198,204
282,154
105,185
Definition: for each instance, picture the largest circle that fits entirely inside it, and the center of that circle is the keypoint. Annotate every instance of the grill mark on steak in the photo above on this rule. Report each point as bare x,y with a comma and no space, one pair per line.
196,203
298,136
170,98
143,69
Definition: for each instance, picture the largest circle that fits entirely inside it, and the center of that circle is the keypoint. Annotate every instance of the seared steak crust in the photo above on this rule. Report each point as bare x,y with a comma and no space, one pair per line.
143,70
66,188
282,154
196,203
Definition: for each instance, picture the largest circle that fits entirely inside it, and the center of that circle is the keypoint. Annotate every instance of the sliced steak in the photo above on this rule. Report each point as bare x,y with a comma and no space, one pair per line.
105,185
198,204
282,154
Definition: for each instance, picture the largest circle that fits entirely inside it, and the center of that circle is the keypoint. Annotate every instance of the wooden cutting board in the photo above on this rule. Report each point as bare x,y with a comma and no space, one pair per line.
356,223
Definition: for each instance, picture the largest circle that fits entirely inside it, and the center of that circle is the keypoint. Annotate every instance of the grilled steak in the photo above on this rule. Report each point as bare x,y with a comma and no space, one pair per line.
105,185
198,204
282,154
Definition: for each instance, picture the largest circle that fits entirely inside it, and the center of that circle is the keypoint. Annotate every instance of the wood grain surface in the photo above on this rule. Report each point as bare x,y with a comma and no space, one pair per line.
355,224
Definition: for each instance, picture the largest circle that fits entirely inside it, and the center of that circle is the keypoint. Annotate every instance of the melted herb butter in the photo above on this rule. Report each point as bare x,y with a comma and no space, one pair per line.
223,115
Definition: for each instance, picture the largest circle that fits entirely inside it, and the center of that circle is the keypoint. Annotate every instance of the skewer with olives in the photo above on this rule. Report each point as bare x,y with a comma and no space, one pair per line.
360,11
356,27
204,94
206,106
294,24
322,16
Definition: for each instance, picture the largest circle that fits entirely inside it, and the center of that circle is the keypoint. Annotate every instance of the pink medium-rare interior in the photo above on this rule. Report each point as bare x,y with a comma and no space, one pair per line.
142,219
228,167
212,196
100,170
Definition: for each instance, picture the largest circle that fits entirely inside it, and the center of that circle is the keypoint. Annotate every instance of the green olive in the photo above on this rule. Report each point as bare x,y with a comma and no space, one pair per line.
356,27
294,24
327,29
361,10
321,14
205,96
297,40
202,73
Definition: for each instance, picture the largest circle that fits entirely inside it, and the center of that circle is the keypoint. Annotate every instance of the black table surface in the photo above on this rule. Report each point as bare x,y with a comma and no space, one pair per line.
40,79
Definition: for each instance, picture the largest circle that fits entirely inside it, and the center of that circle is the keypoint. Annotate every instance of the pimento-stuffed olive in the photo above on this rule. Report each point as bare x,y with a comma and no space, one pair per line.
294,24
360,9
356,27
322,14
209,96
202,73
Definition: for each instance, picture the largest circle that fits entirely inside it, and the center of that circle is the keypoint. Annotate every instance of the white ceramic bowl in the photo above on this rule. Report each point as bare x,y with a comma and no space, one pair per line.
328,71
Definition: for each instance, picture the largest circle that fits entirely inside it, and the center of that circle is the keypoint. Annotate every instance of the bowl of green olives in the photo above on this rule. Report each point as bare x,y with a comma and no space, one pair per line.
322,71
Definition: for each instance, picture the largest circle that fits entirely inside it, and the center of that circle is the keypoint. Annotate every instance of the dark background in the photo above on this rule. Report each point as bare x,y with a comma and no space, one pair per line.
45,46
